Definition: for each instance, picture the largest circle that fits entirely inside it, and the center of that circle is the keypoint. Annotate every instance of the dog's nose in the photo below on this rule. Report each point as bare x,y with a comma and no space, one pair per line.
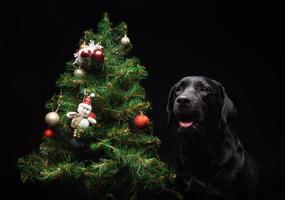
183,101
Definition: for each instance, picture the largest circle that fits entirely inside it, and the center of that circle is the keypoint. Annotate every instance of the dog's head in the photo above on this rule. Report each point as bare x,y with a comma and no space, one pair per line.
199,102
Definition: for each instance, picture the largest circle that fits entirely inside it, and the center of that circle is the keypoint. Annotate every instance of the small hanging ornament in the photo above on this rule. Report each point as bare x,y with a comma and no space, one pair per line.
52,118
85,53
49,133
98,55
83,117
83,45
79,72
141,121
125,40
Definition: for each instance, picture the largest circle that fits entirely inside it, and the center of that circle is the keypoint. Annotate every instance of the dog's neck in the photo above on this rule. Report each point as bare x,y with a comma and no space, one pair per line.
198,149
197,144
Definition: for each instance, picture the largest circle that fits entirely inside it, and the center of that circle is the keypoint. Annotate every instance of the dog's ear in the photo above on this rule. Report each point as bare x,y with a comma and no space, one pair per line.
169,106
228,110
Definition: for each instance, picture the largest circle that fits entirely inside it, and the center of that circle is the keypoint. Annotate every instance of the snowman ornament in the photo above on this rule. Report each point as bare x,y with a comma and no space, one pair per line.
83,117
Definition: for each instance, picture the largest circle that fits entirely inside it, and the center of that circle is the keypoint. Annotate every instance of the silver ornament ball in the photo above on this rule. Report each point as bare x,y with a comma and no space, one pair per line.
78,72
125,40
52,118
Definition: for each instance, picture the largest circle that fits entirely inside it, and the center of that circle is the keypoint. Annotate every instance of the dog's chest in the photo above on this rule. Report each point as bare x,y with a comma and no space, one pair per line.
195,164
196,159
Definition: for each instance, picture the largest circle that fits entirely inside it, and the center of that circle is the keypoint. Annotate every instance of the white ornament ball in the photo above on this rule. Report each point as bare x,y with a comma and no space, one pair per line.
52,118
92,95
78,72
125,40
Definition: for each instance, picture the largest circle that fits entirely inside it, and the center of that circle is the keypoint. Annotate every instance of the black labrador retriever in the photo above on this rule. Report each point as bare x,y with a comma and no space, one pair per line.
212,162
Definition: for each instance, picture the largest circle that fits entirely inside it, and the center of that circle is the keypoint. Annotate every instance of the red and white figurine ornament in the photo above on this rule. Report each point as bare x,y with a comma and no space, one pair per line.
83,117
90,50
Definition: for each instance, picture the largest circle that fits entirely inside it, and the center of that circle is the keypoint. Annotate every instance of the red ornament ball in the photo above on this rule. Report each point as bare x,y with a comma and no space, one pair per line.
98,55
85,53
141,121
49,133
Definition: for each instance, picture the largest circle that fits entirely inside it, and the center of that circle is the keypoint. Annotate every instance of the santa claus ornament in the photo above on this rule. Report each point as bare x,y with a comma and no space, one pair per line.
83,117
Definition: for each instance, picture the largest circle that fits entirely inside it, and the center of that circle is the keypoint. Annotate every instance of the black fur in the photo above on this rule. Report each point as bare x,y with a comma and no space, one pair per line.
212,162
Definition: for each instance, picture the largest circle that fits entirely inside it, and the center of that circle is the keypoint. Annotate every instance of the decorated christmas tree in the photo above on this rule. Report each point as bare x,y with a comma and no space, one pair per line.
98,134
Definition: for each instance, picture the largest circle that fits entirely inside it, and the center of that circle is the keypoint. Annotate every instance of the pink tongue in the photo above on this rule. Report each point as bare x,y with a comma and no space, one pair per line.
185,124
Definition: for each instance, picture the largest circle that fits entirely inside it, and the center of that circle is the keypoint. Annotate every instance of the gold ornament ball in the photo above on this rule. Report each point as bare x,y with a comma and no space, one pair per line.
83,45
125,40
78,72
52,118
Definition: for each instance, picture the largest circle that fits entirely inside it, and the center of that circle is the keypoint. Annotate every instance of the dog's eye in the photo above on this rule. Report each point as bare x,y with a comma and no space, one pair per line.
204,89
178,89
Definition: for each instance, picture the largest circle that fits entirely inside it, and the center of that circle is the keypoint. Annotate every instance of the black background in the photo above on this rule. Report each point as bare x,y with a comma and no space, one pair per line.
238,43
